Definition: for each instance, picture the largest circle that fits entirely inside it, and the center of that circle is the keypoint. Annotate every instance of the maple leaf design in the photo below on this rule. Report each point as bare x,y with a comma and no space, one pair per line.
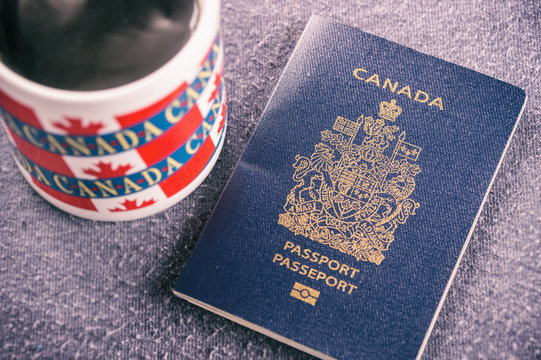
216,86
132,205
106,170
76,126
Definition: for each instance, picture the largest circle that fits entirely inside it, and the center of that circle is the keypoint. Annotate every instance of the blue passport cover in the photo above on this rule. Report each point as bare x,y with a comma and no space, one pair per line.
344,221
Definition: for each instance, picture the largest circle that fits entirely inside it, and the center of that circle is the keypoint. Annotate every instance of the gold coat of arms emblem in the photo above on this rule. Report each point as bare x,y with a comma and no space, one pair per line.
352,196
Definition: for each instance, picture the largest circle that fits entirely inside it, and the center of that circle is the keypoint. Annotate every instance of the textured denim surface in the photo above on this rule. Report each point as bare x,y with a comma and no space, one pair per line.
76,288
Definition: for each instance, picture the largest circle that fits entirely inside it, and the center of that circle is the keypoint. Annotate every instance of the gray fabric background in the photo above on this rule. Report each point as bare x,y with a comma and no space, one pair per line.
74,288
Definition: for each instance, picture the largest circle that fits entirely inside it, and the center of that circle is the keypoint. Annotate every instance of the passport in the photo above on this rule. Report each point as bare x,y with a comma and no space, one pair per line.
343,223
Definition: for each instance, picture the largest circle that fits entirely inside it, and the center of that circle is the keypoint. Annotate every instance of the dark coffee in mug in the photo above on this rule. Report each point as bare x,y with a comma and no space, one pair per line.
92,45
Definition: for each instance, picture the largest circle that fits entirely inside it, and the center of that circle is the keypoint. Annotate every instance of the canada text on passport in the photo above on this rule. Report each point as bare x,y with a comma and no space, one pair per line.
405,90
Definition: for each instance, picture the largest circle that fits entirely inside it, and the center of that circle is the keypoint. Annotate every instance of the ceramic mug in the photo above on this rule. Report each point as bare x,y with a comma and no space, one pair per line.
129,151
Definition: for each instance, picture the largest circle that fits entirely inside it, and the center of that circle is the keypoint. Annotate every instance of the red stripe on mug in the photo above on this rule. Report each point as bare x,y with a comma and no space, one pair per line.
139,115
169,141
80,202
20,111
189,172
51,161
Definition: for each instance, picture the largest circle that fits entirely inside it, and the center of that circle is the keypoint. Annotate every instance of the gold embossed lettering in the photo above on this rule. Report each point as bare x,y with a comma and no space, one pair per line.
405,90
391,86
357,75
60,181
437,102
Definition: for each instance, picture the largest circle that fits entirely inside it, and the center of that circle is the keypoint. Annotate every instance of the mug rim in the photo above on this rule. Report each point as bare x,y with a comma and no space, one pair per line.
206,18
